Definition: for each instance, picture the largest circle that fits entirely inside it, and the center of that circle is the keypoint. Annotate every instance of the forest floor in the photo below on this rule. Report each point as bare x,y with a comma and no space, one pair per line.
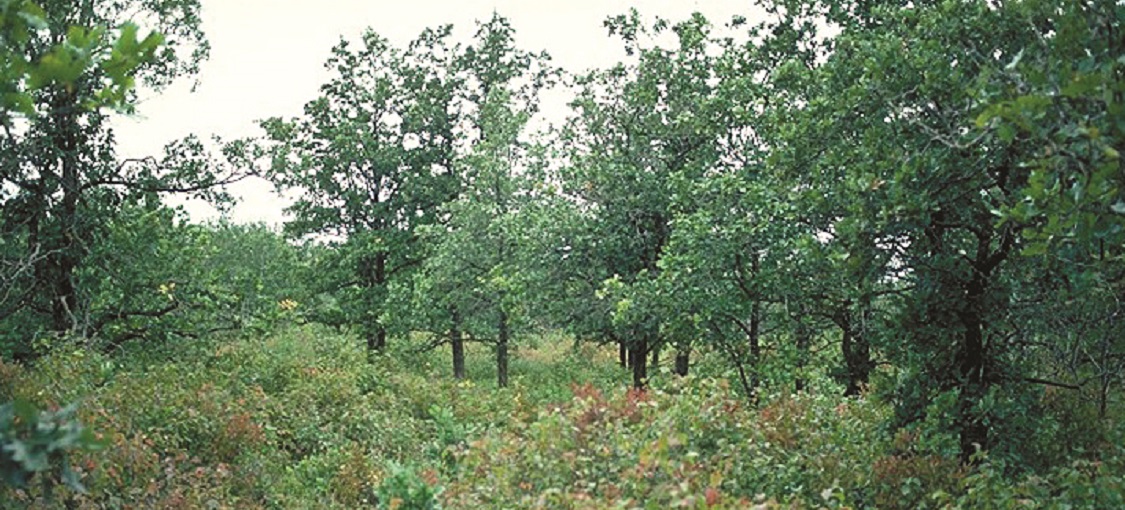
302,419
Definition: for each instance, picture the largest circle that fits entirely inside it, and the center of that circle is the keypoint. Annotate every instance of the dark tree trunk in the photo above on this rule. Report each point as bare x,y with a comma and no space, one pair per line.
655,356
622,354
64,295
376,340
502,352
639,354
853,383
61,259
373,274
803,339
754,338
973,362
749,379
754,335
381,282
23,350
1107,374
683,360
457,343
745,379
1103,397
64,305
380,338
971,371
856,352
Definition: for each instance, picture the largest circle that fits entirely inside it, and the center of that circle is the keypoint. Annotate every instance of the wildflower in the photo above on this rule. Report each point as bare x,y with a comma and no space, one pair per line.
287,304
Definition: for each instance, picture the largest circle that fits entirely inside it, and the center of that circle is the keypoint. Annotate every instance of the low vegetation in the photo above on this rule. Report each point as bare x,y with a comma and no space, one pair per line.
301,420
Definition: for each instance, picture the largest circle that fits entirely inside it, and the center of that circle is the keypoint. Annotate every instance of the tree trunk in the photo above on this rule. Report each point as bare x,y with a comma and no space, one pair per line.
803,340
61,258
683,360
381,282
655,356
376,340
755,348
373,274
502,352
853,385
1107,374
622,354
639,355
457,343
64,295
754,336
971,368
856,351
974,365
1103,396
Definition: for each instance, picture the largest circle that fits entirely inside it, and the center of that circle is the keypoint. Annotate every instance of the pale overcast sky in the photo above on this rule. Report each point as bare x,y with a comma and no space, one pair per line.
267,60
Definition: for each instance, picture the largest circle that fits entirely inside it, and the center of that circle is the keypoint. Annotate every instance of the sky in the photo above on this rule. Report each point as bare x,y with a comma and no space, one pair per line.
267,60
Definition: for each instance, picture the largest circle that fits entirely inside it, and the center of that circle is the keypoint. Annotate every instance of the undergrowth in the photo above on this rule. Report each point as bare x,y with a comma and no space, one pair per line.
303,420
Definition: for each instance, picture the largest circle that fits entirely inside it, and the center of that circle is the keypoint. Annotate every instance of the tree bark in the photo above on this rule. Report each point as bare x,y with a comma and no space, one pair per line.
1107,374
856,352
683,360
457,344
61,259
803,339
377,340
971,368
381,282
639,355
373,274
754,338
973,361
853,384
622,354
502,352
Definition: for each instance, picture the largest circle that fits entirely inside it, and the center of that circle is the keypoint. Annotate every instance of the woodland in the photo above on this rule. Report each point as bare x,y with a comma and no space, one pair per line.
829,254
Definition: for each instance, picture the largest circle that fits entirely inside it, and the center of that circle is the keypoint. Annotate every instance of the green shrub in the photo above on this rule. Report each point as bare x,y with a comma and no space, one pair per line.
36,443
303,420
403,488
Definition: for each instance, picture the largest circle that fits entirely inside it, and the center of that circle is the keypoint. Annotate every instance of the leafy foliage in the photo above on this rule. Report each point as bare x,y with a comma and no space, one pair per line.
896,227
36,442
62,182
404,489
371,167
302,419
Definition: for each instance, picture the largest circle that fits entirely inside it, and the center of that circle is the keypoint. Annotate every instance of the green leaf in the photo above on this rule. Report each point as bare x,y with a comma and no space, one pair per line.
1034,249
30,458
72,479
1006,132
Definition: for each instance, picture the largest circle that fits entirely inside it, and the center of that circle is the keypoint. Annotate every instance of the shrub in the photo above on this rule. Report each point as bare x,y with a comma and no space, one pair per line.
403,488
36,443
